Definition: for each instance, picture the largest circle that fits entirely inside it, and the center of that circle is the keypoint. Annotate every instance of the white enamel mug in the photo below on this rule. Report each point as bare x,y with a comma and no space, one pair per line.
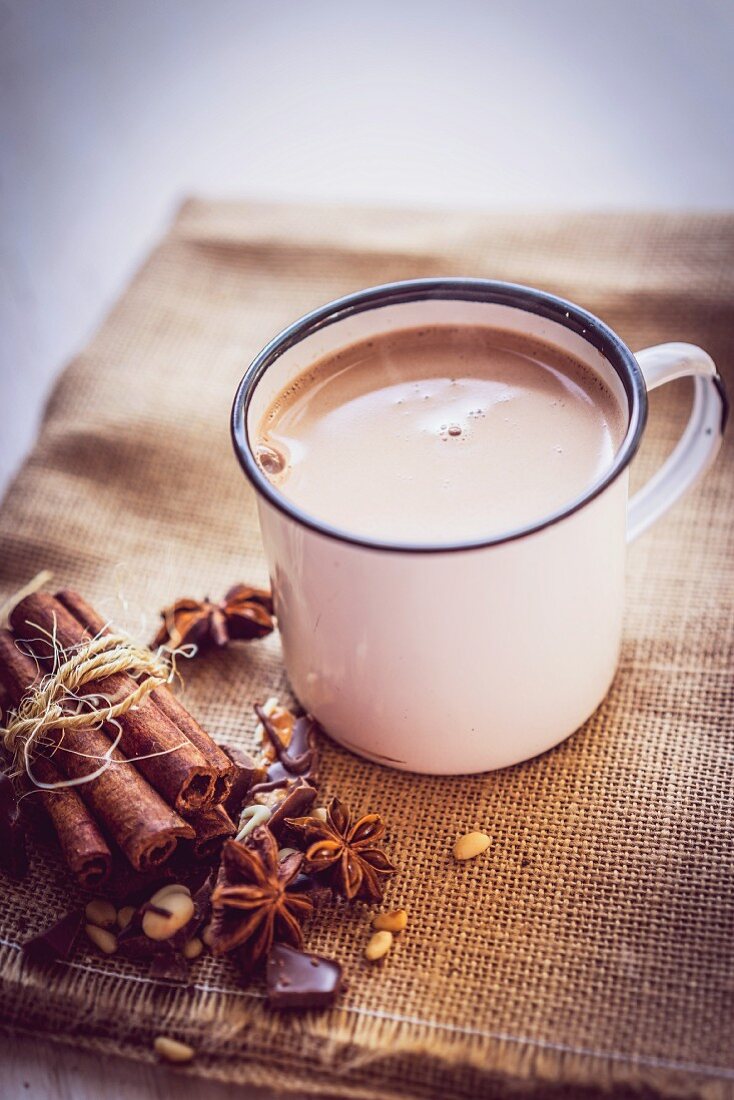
465,657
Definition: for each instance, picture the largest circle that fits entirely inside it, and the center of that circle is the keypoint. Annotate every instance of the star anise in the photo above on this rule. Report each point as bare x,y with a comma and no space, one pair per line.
253,903
348,855
244,613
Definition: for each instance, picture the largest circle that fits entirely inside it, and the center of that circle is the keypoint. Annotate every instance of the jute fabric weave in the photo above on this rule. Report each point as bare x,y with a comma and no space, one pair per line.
592,947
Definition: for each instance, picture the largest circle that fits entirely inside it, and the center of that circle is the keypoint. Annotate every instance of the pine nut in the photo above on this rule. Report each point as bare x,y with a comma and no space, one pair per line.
193,948
378,946
160,896
470,845
101,912
180,910
207,934
391,922
319,813
125,915
101,938
173,1051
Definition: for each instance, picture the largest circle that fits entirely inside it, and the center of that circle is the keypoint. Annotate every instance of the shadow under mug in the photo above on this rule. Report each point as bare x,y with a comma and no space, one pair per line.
465,657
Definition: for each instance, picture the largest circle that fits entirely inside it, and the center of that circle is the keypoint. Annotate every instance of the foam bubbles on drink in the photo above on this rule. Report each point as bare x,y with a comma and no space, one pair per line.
270,460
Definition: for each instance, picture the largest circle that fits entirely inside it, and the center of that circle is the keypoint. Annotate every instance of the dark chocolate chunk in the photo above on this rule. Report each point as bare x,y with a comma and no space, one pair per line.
132,943
298,760
165,962
169,965
276,777
303,751
13,854
297,979
297,757
58,941
297,802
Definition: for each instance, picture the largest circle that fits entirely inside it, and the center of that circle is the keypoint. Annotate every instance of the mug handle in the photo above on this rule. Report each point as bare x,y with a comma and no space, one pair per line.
700,442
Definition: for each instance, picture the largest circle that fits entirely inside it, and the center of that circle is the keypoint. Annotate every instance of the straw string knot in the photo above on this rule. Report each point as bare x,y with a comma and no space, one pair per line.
54,702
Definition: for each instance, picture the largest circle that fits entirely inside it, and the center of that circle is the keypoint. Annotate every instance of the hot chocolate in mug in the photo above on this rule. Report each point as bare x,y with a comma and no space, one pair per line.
466,656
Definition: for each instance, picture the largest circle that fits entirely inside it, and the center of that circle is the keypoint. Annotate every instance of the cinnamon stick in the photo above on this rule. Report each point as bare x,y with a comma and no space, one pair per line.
212,826
85,850
176,712
123,803
171,764
164,699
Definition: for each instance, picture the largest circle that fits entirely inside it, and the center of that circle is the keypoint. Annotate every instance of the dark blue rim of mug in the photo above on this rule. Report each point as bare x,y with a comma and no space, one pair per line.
548,306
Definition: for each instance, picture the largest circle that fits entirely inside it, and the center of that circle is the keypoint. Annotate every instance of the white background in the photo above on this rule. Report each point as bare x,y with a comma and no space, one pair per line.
112,112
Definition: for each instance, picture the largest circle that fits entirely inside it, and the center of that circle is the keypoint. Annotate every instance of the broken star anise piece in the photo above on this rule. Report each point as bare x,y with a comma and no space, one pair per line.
348,855
244,613
248,612
253,903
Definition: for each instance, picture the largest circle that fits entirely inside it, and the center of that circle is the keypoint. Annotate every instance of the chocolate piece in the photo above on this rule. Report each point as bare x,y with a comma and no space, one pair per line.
298,757
248,773
298,760
275,778
13,854
297,979
164,961
298,801
134,944
169,965
56,942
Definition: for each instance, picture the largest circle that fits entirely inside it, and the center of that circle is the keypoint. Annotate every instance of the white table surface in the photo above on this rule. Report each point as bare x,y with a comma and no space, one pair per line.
112,113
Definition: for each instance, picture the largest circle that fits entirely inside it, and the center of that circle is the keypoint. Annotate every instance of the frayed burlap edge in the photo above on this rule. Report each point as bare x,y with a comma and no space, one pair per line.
236,1038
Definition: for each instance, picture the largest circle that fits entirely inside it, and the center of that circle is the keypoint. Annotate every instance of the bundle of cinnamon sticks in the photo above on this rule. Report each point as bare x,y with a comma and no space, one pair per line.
166,781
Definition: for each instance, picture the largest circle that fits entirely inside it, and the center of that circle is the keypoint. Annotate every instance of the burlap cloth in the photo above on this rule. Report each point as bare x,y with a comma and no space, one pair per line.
592,948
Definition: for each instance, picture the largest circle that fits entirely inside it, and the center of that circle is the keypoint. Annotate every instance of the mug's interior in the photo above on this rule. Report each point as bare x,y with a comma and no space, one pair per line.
435,302
303,354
